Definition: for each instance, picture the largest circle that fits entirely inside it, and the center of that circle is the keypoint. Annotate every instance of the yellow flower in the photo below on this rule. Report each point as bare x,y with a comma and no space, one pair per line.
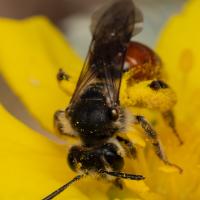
33,166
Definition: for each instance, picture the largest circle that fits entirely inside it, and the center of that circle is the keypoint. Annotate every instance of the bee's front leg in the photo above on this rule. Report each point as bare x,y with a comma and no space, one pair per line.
64,82
152,135
62,124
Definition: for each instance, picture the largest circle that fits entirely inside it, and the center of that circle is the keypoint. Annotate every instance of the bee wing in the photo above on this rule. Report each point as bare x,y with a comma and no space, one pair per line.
104,62
86,77
139,19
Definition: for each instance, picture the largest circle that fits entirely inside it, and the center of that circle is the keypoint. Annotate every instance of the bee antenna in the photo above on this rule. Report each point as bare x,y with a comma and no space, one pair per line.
62,188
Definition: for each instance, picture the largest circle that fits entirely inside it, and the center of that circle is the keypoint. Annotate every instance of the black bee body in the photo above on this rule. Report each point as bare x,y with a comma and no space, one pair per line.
94,111
94,114
91,117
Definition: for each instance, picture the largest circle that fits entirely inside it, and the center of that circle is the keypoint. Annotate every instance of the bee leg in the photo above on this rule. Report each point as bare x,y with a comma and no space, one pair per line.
62,75
64,83
156,95
169,118
118,183
62,124
152,135
167,115
128,146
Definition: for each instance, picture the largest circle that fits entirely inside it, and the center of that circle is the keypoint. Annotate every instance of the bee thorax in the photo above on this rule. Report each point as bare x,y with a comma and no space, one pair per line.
92,117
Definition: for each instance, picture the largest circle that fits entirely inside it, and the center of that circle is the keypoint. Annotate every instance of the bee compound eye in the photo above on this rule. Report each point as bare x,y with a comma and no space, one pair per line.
114,114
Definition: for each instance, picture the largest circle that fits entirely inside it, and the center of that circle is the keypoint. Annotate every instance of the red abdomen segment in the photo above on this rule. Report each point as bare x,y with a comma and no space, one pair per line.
143,62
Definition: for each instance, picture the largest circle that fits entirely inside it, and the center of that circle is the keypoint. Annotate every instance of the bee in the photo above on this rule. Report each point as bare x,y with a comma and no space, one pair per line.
95,114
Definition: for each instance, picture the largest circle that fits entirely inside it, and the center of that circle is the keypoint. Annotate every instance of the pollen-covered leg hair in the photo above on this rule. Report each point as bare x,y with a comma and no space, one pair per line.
62,124
157,95
169,118
152,135
128,146
64,82
62,75
150,94
118,183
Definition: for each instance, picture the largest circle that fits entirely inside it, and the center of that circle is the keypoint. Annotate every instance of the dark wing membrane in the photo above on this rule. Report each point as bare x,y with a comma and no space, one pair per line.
86,77
111,35
138,21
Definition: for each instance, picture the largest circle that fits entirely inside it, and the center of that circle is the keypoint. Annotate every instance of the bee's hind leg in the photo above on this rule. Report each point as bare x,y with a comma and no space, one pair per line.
169,118
167,115
152,135
156,95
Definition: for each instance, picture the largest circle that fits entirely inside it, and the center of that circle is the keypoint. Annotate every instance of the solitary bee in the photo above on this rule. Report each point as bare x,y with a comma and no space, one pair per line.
94,114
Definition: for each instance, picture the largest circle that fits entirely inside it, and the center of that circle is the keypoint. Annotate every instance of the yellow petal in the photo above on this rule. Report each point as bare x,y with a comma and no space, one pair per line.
138,186
31,166
135,137
179,47
31,53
